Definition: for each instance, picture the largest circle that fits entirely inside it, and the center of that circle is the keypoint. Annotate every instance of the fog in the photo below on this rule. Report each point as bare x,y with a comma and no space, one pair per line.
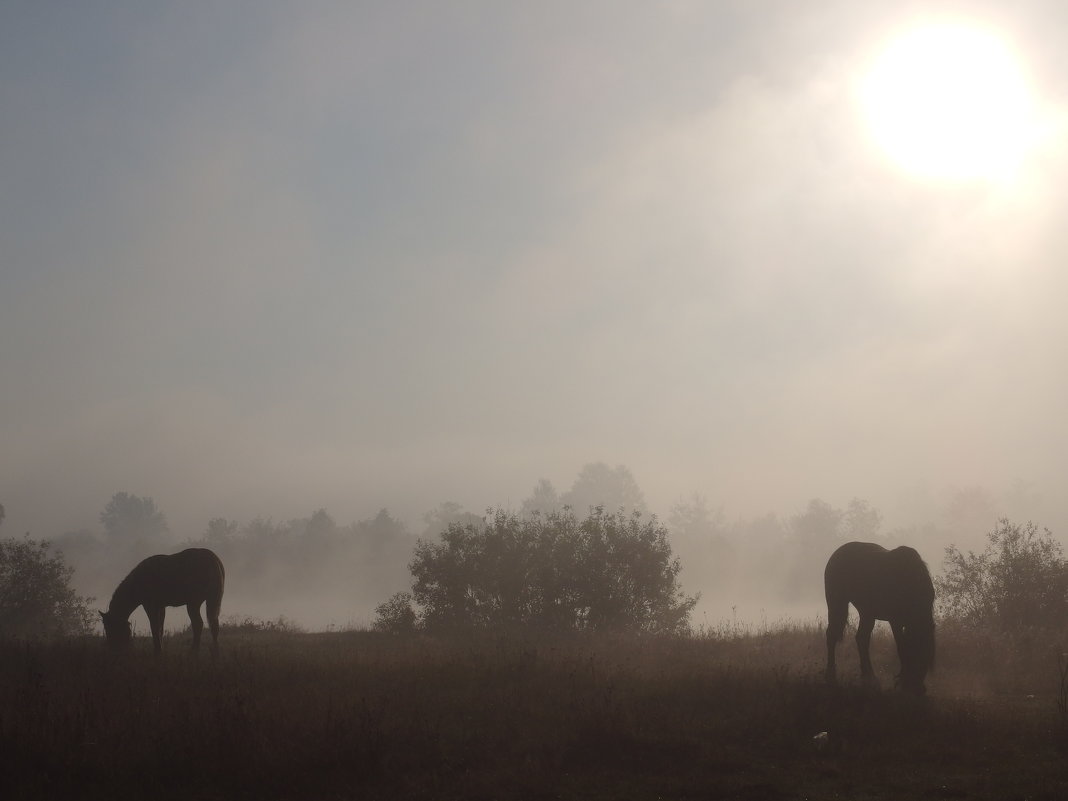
260,260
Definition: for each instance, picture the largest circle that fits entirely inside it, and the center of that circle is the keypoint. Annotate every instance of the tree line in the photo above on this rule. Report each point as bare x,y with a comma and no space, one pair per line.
551,563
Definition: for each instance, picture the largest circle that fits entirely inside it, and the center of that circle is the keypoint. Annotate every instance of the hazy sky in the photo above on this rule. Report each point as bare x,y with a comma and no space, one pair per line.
258,258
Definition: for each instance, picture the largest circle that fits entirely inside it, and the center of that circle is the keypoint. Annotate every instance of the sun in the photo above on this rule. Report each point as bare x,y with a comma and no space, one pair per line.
952,102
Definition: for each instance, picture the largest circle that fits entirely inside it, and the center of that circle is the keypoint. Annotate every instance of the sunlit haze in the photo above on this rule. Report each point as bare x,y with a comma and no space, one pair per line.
951,101
261,259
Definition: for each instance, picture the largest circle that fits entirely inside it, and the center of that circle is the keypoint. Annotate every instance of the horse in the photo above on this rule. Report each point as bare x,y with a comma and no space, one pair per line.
883,585
188,578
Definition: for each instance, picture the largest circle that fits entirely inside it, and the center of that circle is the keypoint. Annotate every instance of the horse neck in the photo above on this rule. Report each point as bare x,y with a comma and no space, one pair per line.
124,601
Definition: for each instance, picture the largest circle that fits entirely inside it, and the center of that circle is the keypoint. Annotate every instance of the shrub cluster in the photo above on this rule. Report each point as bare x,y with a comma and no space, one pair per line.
1020,579
606,572
36,597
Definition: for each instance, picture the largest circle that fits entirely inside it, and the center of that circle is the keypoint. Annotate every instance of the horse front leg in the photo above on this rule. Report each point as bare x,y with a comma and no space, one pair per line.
196,622
864,630
899,641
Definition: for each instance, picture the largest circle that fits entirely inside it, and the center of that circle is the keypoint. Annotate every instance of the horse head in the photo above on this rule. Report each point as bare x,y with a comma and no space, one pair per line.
117,631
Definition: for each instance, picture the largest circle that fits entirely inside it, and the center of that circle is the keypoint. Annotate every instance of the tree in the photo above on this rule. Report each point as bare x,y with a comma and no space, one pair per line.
861,521
543,500
700,534
819,524
396,616
2,513
320,526
220,531
36,597
379,536
692,518
447,513
131,519
813,536
612,488
609,571
1020,579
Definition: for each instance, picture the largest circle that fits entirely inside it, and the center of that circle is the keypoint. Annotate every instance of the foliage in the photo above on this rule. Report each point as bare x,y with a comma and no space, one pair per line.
606,572
1020,579
130,518
36,597
396,616
379,534
220,530
700,536
311,556
446,514
692,518
861,521
599,485
820,524
811,537
233,624
543,500
361,715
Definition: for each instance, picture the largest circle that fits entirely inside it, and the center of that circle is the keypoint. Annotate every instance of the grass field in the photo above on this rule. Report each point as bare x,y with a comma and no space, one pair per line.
289,715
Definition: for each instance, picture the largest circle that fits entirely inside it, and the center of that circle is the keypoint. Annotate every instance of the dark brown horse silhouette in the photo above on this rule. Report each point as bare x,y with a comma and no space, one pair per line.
188,578
883,585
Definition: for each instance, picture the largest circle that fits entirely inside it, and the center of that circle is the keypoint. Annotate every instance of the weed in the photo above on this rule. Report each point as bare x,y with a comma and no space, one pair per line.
287,715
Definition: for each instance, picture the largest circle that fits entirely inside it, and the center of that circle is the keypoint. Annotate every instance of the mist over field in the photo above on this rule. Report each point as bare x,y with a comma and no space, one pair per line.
317,572
338,275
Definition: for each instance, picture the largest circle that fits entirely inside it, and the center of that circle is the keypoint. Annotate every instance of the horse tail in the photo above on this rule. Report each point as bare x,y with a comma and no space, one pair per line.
214,600
837,600
837,617
837,605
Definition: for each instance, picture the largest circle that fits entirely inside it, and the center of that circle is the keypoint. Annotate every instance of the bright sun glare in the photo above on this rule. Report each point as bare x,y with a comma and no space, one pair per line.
950,102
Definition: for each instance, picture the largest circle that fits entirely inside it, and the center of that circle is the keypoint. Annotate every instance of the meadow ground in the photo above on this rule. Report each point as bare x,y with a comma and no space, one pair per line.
730,714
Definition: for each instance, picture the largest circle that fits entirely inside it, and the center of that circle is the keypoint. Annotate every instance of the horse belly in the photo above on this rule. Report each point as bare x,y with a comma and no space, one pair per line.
876,605
170,593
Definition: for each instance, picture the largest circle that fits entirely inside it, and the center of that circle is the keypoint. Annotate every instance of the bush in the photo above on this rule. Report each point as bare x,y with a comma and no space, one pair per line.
1020,579
396,615
36,597
607,572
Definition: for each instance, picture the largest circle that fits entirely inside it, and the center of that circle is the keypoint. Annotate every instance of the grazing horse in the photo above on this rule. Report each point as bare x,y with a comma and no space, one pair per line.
883,585
188,578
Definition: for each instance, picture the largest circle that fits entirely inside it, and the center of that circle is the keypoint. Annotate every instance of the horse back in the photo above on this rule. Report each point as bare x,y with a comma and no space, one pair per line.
191,576
883,584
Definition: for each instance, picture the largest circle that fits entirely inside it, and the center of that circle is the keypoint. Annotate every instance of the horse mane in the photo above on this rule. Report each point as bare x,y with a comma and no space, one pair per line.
915,576
130,592
127,593
916,581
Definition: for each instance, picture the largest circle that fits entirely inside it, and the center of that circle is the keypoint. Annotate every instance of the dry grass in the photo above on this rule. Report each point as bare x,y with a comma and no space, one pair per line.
286,715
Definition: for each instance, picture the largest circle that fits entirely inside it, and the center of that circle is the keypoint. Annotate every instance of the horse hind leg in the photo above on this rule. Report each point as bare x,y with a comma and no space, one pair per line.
213,606
196,622
156,617
864,630
837,614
